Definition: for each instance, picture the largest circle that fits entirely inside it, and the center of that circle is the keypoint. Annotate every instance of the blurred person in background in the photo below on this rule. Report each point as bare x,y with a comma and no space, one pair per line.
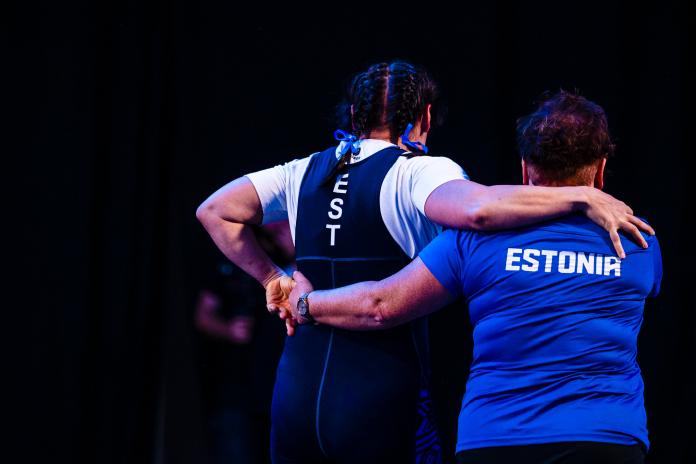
225,314
241,345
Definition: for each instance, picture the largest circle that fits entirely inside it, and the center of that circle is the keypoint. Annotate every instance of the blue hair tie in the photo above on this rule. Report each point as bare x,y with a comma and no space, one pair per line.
414,146
352,142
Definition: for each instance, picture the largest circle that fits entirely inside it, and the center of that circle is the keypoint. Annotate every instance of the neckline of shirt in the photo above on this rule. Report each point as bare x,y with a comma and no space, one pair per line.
368,147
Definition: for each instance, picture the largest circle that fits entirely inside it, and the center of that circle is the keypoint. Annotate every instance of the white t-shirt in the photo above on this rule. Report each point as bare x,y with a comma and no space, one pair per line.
405,189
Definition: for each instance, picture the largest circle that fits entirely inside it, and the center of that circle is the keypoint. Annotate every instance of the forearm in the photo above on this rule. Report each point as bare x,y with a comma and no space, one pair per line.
228,216
505,206
467,205
360,306
238,242
409,294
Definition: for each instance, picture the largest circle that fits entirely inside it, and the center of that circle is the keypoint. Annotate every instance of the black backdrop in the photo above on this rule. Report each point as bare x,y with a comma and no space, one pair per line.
125,116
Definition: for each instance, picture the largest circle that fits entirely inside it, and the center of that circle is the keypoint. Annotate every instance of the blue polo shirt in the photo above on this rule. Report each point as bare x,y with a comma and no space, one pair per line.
556,318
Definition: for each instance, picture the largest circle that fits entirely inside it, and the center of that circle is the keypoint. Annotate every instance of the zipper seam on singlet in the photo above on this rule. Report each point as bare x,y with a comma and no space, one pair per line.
323,374
321,388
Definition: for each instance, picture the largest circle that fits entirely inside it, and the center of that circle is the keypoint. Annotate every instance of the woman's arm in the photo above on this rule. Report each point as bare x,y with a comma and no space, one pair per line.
464,204
228,215
409,294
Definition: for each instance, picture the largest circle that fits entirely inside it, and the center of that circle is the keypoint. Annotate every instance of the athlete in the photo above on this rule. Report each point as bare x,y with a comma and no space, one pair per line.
362,210
555,314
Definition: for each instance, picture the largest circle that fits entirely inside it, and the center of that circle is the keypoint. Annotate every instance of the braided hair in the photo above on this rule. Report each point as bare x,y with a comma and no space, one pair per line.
387,96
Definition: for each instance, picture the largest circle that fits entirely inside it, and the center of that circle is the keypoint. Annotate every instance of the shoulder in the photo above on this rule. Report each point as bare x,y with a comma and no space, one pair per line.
282,173
451,241
431,165
466,240
300,163
277,187
629,243
572,224
297,167
418,176
578,229
653,243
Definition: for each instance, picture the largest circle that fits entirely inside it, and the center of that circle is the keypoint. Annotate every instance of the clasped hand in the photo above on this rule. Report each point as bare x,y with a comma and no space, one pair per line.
282,294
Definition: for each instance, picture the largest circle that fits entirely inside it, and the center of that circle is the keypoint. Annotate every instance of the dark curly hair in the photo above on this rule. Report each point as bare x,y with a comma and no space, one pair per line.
566,133
388,96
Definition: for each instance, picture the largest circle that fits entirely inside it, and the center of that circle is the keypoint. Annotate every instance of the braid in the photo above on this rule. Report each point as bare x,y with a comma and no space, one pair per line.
387,96
367,95
404,104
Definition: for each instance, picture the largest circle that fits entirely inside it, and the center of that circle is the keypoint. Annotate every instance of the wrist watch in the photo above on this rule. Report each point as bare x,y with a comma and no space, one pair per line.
303,307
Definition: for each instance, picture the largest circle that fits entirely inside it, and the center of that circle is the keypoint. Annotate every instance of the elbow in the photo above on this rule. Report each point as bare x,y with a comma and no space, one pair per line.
381,316
200,213
205,212
478,218
472,213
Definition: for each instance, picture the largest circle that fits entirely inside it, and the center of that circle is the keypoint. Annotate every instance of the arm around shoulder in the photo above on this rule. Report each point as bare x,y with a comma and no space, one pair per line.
467,205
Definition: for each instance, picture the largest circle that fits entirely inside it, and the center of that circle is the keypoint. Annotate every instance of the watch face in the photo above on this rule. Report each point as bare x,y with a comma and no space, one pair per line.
302,307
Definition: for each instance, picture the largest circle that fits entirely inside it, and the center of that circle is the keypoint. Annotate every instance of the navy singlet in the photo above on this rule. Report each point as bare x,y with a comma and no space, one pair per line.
347,396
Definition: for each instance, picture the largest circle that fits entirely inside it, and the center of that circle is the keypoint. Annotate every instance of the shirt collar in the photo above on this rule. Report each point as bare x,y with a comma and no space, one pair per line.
368,147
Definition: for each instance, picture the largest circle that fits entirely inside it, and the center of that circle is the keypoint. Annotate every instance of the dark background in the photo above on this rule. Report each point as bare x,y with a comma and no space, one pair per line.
124,116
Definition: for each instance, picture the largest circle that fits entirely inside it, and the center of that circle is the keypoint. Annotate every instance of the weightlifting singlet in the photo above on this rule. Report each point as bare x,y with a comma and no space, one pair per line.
346,396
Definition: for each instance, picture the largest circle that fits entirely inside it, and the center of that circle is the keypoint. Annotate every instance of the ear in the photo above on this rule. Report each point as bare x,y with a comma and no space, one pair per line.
599,175
425,119
352,115
525,174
